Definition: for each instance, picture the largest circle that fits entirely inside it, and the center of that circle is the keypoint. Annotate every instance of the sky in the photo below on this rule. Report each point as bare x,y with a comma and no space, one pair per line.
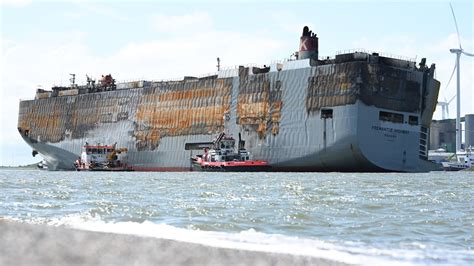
44,41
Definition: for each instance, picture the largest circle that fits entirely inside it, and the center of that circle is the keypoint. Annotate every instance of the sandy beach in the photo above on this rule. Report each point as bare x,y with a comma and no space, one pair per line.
26,244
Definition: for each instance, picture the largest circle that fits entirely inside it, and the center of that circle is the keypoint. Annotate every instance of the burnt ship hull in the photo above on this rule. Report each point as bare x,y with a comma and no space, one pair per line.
357,112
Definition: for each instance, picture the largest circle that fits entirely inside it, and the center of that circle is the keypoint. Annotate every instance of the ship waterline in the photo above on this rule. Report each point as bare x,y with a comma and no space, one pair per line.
357,112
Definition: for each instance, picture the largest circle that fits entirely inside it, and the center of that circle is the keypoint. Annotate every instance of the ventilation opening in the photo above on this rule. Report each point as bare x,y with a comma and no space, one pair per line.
423,153
326,113
413,120
391,117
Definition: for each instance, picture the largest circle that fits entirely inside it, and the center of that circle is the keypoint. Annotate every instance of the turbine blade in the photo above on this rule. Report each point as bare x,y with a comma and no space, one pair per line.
468,54
452,99
450,78
456,24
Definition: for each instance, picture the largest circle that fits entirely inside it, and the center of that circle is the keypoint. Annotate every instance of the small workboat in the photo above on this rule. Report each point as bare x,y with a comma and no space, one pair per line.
43,165
223,156
464,161
102,158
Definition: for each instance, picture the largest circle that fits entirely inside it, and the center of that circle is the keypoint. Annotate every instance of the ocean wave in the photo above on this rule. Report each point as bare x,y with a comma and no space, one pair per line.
244,240
351,252
346,252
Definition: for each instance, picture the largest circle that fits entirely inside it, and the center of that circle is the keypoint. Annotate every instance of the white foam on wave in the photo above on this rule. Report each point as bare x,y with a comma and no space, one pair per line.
346,252
244,240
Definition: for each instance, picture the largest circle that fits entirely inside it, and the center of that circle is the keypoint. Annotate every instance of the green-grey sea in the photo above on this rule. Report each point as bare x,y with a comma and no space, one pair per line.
362,218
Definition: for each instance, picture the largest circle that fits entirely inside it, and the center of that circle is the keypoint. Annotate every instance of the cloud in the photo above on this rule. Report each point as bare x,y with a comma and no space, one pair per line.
52,56
190,49
74,15
188,23
101,10
25,65
195,54
450,42
15,3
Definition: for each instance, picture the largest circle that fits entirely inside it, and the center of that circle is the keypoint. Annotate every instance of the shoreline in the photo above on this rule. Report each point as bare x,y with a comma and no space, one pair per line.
29,244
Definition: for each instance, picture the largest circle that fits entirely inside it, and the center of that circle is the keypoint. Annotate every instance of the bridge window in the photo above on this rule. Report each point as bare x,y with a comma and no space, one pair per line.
413,120
391,117
326,113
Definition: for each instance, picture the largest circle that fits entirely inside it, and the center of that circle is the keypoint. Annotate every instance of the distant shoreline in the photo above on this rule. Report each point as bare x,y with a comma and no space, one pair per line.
33,166
27,244
21,167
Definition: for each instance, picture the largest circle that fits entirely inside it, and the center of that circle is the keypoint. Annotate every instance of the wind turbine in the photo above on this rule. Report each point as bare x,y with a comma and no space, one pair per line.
458,52
445,107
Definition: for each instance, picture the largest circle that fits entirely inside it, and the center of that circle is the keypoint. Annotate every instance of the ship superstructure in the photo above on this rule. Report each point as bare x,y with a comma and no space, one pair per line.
358,111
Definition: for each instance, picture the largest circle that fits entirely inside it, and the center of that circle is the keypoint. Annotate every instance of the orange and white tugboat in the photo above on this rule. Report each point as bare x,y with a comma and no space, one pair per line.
102,158
222,156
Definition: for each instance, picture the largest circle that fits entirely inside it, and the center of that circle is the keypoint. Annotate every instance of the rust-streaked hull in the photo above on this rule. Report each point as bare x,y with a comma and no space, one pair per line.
281,115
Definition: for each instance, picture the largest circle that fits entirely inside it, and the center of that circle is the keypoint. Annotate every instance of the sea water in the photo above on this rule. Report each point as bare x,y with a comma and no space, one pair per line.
363,218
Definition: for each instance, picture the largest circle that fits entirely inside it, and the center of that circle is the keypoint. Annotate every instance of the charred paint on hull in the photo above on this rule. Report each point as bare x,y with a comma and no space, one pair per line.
306,115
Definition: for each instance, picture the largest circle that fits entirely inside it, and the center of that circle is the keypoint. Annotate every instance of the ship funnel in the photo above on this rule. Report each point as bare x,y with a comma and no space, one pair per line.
308,45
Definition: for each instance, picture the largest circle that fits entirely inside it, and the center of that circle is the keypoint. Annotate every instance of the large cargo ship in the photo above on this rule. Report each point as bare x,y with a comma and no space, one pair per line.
358,111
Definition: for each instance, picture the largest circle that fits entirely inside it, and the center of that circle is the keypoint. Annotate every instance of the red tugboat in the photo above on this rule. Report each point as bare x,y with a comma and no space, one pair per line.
102,158
222,156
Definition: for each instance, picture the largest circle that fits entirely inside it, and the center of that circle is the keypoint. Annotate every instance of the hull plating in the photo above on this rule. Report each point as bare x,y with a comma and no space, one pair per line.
283,116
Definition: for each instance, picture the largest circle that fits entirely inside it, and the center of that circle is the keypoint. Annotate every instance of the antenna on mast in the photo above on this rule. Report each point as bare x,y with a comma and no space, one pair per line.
218,64
73,80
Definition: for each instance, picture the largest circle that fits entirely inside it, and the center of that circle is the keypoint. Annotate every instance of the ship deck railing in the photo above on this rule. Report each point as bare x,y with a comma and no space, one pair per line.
273,62
384,54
